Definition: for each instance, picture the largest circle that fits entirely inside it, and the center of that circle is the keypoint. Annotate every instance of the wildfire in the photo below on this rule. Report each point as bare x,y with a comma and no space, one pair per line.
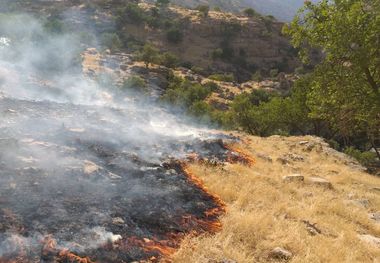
50,251
211,222
237,155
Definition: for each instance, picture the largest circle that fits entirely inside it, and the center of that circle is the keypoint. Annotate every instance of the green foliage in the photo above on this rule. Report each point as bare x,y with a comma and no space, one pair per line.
184,93
365,158
136,83
169,60
273,73
222,77
217,53
55,26
149,54
345,87
250,12
257,76
162,2
131,13
111,41
203,9
174,35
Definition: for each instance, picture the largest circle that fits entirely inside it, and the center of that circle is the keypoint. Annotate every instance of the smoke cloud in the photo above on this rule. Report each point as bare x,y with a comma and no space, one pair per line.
75,155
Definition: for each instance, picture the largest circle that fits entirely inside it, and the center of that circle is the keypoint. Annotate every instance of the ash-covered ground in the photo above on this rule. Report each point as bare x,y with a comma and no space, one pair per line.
89,174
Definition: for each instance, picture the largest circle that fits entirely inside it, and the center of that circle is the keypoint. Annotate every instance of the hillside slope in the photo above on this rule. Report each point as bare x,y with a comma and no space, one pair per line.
335,219
283,10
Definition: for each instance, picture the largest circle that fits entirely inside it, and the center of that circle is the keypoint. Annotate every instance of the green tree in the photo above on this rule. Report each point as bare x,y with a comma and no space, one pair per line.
169,60
250,12
149,54
162,2
345,87
111,41
203,9
174,35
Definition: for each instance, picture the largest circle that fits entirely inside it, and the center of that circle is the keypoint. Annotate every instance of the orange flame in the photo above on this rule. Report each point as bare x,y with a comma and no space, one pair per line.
241,157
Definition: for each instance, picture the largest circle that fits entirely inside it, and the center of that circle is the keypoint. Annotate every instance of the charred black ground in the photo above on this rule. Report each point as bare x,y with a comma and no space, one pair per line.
101,182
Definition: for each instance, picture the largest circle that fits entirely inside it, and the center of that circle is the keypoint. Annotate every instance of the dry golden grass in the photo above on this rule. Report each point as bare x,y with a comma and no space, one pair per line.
264,212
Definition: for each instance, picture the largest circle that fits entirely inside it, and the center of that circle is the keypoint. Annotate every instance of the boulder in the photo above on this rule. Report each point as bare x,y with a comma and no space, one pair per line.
293,178
370,240
319,181
375,217
280,253
118,221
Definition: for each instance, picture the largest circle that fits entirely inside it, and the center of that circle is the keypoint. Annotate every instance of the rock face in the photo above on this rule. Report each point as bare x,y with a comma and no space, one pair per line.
370,240
293,178
280,253
319,181
251,40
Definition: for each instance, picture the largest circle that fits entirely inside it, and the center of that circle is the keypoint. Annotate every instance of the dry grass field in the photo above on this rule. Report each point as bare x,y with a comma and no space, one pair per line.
313,220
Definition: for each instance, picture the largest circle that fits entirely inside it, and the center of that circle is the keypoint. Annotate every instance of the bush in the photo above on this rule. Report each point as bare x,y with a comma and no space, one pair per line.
111,41
162,2
222,77
257,76
250,12
149,54
203,9
365,158
174,35
273,73
132,13
217,53
169,60
136,83
55,26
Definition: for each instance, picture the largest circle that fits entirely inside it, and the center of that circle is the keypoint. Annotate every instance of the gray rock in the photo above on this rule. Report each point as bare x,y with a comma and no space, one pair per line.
264,157
118,221
226,260
360,202
319,181
293,178
370,240
280,253
375,217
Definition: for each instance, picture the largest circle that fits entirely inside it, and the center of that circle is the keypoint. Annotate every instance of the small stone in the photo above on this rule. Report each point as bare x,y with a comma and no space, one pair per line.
280,253
293,178
264,157
303,142
370,240
359,202
118,221
375,217
226,260
320,182
283,160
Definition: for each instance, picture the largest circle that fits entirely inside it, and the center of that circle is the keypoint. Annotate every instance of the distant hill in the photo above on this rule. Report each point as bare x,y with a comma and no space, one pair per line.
283,10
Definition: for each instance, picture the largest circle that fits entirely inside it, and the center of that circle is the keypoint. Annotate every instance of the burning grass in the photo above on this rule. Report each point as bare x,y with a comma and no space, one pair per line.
314,223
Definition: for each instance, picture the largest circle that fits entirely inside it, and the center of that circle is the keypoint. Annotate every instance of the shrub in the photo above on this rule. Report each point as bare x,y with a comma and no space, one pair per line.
257,76
203,9
149,54
162,2
136,83
273,73
55,26
174,35
250,12
169,60
365,158
222,77
217,53
111,41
